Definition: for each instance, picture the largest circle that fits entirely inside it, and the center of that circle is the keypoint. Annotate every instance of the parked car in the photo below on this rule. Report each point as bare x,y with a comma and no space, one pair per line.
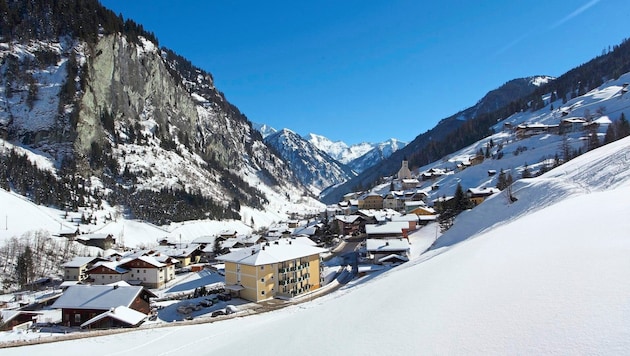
206,303
217,313
224,297
230,309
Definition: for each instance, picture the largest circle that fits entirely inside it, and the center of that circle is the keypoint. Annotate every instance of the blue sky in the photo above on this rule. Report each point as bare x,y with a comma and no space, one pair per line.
359,70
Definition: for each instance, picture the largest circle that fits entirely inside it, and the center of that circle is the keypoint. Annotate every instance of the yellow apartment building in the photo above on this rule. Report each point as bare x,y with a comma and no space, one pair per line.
282,268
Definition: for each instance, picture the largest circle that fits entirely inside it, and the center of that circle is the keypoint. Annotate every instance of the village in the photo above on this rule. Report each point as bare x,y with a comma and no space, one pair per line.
211,278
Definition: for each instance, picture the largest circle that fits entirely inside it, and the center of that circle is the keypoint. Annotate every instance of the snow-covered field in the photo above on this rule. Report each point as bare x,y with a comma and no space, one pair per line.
548,277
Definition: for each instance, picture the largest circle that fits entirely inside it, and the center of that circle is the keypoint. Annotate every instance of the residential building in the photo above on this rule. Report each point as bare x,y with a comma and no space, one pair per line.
283,268
150,271
371,201
76,269
107,272
477,196
387,230
103,241
81,303
381,250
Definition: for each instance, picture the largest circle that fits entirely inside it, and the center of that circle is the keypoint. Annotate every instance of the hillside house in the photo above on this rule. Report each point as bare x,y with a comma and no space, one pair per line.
572,124
528,130
433,174
107,272
387,230
378,250
371,201
283,268
76,269
350,224
411,219
410,183
478,195
103,241
150,272
394,200
81,303
185,254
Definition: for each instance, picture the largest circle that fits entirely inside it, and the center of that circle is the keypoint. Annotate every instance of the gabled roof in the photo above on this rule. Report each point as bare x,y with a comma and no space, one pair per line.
395,227
147,259
113,265
184,251
483,191
121,313
388,245
81,261
407,217
393,257
273,252
348,219
98,297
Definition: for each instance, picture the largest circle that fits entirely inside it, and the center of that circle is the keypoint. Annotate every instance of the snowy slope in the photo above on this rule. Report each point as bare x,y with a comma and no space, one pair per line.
553,280
512,155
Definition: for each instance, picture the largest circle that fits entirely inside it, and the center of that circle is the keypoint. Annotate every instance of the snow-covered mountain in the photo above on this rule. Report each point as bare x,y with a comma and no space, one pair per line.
508,94
314,167
117,119
378,153
359,156
264,129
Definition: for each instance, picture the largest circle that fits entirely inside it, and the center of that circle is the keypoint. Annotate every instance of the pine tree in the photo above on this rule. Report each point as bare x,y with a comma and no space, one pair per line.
623,129
502,180
610,135
461,200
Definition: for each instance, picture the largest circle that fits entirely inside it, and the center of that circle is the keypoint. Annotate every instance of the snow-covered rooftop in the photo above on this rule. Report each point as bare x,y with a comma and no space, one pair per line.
273,252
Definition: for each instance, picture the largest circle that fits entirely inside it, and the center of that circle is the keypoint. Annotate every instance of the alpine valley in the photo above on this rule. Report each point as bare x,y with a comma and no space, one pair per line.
102,131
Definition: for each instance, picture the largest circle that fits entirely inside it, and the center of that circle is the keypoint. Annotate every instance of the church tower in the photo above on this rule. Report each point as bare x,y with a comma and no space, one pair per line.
404,172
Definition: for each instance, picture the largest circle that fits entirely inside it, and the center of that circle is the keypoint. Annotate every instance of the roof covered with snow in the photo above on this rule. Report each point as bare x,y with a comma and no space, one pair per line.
97,297
388,245
120,313
273,252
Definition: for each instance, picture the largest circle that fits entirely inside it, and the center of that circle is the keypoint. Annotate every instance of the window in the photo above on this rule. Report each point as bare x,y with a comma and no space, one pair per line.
144,271
110,276
262,280
138,271
77,318
262,267
263,292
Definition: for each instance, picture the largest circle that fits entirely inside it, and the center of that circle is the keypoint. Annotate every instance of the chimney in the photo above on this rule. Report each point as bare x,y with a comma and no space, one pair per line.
253,252
115,286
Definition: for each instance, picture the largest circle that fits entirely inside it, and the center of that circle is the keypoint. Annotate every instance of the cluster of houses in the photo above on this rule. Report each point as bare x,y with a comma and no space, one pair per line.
566,125
115,291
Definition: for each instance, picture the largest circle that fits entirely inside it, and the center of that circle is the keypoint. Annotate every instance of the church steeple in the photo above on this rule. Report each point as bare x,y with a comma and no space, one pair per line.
404,172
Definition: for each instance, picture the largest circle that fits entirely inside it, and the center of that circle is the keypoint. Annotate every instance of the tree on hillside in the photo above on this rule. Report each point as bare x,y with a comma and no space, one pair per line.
24,267
526,173
451,209
623,127
461,200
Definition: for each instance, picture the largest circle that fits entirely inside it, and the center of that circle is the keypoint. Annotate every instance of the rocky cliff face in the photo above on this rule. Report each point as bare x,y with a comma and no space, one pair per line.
137,118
